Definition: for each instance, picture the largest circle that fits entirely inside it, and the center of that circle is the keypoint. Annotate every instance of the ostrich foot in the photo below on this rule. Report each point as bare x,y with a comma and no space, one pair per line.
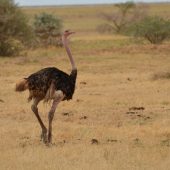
49,138
44,136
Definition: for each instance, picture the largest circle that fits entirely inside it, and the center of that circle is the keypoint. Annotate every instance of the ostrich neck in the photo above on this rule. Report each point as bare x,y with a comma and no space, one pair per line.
65,43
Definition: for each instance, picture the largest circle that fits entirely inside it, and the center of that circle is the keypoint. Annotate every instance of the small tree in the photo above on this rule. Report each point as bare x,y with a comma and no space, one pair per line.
154,29
48,28
125,14
14,30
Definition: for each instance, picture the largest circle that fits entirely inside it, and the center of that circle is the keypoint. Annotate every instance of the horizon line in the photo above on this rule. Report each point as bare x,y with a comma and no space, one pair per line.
62,5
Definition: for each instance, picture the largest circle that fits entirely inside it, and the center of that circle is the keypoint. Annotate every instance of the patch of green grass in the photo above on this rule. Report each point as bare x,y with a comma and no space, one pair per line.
93,45
165,103
165,142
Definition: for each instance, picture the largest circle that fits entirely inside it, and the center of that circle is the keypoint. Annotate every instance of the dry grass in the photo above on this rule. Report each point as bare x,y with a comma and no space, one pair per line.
114,81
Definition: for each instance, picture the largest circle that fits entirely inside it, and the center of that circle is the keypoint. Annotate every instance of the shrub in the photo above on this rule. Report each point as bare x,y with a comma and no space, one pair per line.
48,28
11,47
154,29
13,27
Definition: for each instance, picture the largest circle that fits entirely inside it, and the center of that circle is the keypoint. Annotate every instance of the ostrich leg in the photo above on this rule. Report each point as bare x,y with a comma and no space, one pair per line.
58,97
44,129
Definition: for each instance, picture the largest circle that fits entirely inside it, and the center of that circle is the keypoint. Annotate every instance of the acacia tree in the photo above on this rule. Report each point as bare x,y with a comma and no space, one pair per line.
48,29
125,14
14,28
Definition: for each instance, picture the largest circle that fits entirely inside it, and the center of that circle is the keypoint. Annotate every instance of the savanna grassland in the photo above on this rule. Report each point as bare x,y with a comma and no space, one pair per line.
119,118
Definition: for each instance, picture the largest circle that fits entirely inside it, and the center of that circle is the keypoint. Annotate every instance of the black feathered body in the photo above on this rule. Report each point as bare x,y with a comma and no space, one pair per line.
40,82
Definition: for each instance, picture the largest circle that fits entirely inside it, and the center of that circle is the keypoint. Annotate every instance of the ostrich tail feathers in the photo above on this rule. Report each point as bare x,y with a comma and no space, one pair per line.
21,85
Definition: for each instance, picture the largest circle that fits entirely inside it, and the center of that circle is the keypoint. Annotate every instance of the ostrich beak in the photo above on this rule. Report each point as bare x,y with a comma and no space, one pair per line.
68,32
72,32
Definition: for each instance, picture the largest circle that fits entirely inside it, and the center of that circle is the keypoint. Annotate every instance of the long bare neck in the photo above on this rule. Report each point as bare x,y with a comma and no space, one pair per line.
65,43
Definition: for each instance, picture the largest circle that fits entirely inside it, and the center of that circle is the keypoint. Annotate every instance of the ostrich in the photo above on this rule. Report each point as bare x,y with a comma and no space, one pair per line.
50,84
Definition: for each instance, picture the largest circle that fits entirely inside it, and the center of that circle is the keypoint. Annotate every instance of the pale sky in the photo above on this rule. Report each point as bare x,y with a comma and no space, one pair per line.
70,2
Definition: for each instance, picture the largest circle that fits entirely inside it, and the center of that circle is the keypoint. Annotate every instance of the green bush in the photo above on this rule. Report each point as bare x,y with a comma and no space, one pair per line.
154,29
48,28
13,26
11,47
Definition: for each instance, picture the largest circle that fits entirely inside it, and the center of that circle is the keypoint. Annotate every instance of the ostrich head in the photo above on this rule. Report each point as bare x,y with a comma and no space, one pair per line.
67,33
